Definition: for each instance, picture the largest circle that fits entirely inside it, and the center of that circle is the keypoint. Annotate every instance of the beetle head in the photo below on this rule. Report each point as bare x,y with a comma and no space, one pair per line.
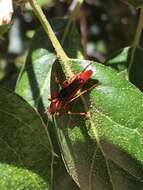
86,75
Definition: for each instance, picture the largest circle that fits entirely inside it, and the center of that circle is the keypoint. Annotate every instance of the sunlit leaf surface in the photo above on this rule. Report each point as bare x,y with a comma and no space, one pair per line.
104,151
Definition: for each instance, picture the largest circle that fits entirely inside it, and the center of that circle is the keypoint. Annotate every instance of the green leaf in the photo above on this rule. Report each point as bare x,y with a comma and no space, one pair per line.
25,150
15,178
3,30
134,3
34,84
136,70
120,61
104,150
34,81
72,43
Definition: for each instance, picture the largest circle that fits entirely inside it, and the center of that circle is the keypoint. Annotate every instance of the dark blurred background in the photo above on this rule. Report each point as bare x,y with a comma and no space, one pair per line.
104,26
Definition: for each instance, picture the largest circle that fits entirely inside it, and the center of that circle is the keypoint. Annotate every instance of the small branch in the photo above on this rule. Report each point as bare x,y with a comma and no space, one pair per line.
73,16
48,29
136,38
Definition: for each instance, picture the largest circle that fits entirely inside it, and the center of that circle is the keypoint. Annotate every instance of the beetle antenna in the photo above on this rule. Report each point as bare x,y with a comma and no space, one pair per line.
87,66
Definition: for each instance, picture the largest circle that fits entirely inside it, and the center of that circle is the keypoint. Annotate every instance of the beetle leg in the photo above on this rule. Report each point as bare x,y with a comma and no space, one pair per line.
54,99
82,93
72,113
77,113
66,111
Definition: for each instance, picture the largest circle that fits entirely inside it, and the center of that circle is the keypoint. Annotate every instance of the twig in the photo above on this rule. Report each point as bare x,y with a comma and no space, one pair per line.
48,29
136,39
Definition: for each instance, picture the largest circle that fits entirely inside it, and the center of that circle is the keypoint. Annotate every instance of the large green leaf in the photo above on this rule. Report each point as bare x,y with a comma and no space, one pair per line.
104,150
34,83
25,150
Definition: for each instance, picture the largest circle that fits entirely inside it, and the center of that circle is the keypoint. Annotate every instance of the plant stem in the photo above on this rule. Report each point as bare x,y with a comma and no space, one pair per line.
136,38
72,17
48,29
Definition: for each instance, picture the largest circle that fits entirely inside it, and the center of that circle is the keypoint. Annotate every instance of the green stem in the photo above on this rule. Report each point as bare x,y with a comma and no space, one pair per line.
48,29
136,38
72,17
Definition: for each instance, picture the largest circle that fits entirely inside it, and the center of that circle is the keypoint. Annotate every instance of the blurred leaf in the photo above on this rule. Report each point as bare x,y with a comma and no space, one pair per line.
136,71
42,3
104,151
2,68
3,29
72,43
134,3
120,61
8,74
25,150
45,2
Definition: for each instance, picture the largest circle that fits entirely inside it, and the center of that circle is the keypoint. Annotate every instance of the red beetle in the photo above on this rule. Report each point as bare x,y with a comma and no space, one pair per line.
68,93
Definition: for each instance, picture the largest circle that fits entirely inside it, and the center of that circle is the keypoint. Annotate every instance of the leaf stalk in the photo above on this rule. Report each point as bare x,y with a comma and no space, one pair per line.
136,40
48,29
